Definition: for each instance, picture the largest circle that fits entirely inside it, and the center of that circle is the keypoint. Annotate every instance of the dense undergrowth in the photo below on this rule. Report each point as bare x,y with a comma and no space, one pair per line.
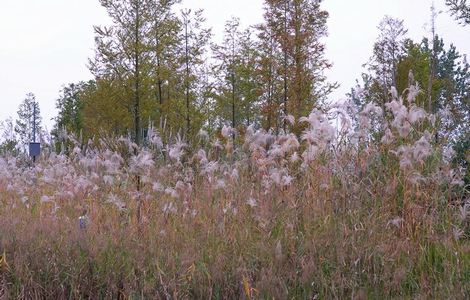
372,211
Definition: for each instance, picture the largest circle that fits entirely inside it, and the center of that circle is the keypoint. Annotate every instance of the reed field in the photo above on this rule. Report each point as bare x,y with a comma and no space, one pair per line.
329,210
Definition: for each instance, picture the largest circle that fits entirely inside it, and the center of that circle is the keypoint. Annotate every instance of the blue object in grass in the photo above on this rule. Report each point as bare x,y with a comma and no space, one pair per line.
83,221
34,149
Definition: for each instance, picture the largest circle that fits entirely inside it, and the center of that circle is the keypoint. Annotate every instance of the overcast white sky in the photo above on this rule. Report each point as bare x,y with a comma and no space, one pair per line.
45,44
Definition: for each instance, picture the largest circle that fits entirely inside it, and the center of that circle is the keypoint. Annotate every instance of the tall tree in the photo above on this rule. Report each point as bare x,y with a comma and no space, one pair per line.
249,79
237,67
270,78
277,21
228,57
194,40
388,49
163,40
122,55
297,27
28,124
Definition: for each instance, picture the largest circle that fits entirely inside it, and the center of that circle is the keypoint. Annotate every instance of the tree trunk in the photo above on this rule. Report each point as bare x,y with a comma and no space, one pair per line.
298,61
188,120
136,106
285,65
159,79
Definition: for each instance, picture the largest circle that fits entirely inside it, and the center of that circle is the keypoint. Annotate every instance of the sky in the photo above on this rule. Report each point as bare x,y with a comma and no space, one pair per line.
45,44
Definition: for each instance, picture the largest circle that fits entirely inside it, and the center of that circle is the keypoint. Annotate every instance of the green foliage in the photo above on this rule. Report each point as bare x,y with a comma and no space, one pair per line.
103,112
152,66
70,105
450,89
148,65
236,74
295,28
441,73
383,66
189,102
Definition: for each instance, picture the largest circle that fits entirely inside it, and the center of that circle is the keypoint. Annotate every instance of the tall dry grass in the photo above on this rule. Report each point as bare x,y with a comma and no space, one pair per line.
374,211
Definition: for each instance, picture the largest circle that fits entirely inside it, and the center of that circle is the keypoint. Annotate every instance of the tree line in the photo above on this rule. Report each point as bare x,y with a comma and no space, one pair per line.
155,66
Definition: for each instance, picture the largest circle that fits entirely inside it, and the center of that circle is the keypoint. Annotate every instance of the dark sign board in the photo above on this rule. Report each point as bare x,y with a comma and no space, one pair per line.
34,149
